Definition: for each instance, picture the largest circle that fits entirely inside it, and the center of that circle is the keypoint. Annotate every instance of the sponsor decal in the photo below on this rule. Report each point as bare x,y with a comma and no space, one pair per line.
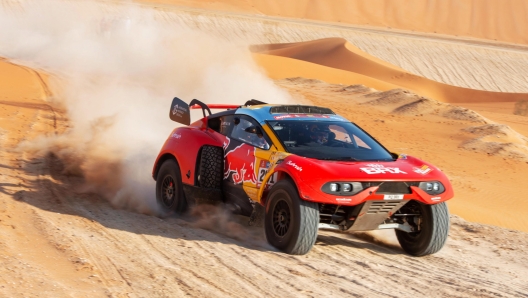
279,117
380,169
264,164
224,123
176,135
239,162
178,111
287,116
294,165
422,170
343,199
436,198
263,171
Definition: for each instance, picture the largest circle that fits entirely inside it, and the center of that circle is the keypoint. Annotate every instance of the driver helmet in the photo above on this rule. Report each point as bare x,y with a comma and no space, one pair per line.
319,135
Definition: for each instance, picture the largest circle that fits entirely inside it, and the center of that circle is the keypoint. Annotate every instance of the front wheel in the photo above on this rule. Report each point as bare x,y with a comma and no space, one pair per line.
433,227
291,224
169,189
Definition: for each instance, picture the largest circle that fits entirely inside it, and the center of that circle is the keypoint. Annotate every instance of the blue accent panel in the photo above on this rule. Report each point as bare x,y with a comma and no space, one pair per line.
263,114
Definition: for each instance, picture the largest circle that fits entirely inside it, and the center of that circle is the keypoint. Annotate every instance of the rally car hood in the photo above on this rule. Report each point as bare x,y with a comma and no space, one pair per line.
405,168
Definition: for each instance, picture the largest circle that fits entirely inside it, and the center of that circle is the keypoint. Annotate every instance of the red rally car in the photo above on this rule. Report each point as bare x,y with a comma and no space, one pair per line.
303,168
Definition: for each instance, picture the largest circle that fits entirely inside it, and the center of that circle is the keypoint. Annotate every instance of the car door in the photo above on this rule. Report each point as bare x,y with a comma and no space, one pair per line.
243,165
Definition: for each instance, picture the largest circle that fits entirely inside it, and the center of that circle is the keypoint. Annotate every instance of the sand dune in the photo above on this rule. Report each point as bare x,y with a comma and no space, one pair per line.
339,54
17,81
497,139
502,20
284,67
22,91
464,63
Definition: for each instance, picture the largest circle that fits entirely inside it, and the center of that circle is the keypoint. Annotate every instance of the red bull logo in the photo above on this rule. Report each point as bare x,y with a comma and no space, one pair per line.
239,162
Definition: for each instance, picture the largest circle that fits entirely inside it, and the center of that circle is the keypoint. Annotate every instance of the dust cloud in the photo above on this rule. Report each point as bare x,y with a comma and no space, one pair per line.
385,238
115,69
220,220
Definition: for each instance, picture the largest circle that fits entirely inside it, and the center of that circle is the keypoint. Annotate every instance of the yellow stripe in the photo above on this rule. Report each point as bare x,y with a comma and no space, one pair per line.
273,138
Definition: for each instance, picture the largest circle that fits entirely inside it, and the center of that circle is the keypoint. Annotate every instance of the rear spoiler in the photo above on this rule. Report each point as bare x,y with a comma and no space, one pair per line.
180,111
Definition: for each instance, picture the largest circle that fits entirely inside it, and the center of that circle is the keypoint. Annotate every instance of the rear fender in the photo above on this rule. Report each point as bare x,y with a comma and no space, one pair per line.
184,145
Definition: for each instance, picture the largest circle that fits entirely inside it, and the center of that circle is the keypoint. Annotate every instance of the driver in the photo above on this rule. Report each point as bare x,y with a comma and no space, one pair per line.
319,136
260,141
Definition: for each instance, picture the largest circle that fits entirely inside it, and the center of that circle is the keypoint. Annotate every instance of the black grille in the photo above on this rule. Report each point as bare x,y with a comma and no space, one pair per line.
396,187
300,110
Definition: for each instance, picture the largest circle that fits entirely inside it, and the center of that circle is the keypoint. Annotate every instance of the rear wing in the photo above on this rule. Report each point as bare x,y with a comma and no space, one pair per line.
180,111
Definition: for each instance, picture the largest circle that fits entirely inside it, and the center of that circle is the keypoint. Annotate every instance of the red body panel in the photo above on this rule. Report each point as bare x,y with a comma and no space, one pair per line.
310,175
184,143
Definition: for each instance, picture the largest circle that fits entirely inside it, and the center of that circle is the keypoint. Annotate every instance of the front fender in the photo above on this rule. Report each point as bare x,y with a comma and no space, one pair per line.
290,166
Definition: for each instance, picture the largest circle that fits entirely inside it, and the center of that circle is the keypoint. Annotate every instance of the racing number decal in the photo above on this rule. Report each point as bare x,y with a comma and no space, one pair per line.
262,174
263,170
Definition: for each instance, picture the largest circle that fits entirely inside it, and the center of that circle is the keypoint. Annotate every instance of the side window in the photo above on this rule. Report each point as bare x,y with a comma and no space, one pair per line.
249,131
225,124
214,124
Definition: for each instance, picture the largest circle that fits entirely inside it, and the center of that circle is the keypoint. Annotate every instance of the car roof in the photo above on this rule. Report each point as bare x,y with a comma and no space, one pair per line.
270,112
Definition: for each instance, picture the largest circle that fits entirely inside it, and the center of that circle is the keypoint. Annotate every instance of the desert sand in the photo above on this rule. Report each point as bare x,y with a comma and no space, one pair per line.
65,233
498,20
337,53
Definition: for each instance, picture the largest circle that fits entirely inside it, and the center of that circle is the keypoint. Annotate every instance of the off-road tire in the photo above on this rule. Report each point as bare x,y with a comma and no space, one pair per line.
290,223
170,198
433,231
211,168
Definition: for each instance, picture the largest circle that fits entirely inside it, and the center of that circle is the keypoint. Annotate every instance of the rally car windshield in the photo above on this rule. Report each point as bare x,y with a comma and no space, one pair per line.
337,140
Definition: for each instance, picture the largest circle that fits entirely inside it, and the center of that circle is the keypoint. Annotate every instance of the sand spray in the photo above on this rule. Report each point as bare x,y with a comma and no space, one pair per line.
115,69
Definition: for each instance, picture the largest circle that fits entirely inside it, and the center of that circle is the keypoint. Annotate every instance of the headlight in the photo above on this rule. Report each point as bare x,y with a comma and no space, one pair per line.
432,187
342,188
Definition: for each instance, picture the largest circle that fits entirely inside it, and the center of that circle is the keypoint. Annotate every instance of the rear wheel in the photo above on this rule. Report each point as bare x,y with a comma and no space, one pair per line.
432,226
169,190
291,224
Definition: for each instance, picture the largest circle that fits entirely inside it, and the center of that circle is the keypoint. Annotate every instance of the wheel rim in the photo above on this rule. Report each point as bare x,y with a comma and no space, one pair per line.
168,191
414,208
281,218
